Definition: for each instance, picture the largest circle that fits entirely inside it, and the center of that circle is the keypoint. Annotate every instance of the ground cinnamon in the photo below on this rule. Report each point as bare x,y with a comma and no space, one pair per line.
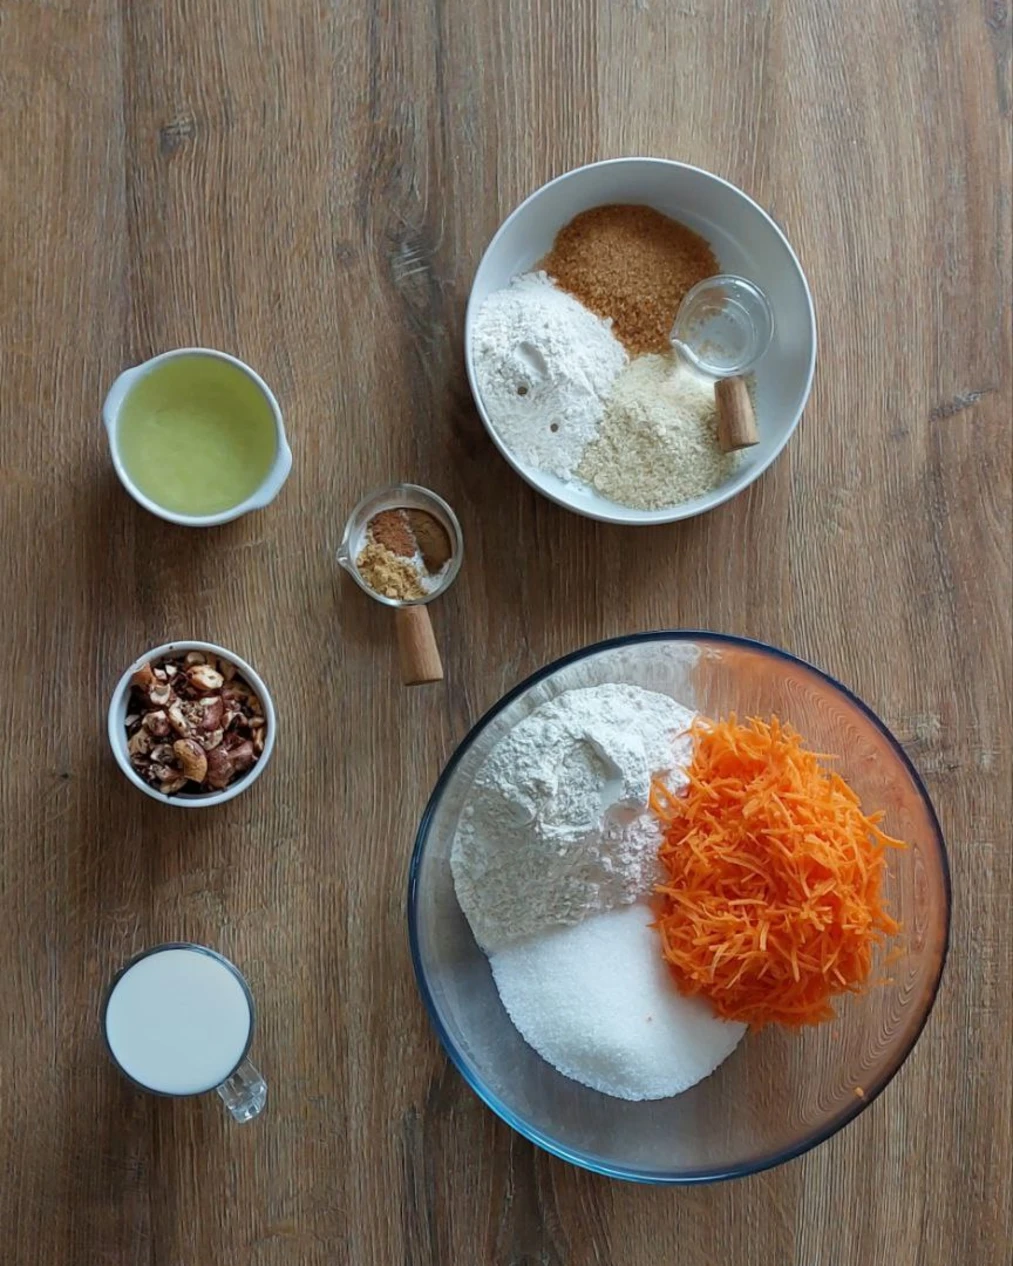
632,264
390,529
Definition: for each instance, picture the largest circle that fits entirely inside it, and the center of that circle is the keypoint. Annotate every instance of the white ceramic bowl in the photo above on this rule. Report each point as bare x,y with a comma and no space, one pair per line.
745,240
270,485
118,729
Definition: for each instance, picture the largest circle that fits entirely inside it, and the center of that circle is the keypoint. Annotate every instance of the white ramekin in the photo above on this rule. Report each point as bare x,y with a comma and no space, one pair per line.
118,730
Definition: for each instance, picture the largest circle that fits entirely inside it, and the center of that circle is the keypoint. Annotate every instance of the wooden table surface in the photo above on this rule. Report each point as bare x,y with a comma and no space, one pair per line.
310,186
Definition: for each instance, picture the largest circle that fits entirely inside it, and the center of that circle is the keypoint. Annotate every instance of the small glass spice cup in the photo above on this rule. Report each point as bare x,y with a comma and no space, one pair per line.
723,326
419,656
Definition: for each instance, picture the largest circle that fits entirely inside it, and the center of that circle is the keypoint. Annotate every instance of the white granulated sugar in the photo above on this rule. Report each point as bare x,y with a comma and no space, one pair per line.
556,825
597,1002
657,445
544,365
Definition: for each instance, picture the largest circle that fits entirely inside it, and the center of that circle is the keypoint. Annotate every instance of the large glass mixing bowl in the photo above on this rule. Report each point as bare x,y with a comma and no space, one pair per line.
780,1093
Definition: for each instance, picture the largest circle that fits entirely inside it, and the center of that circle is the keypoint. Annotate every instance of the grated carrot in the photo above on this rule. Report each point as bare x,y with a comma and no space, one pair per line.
772,903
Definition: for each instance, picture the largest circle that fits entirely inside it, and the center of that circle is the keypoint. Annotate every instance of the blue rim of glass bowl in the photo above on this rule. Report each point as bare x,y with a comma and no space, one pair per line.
583,1161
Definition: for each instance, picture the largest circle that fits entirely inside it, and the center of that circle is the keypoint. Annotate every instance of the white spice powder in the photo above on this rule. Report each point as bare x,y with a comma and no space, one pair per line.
657,445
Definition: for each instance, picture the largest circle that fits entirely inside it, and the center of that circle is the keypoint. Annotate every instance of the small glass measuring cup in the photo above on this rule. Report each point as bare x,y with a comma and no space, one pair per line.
723,326
420,658
178,1021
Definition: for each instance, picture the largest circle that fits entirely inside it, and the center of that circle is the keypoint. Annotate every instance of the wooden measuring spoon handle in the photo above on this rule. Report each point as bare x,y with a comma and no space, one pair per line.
736,420
420,658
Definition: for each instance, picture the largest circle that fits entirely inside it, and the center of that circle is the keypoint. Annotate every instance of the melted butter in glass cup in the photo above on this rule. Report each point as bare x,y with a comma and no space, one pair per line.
419,656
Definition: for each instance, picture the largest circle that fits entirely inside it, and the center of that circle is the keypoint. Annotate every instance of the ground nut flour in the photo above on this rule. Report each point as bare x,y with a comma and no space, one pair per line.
557,824
657,444
544,366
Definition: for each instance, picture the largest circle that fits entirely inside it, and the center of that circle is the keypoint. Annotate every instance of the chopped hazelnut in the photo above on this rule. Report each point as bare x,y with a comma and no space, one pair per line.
192,720
219,769
192,760
139,744
212,712
177,720
242,756
159,694
205,678
143,678
156,723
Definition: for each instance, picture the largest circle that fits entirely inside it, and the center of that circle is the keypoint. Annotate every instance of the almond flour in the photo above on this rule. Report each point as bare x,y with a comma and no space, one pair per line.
657,445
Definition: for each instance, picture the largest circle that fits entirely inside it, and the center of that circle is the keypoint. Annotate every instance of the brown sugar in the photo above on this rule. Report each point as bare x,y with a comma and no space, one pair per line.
431,538
632,264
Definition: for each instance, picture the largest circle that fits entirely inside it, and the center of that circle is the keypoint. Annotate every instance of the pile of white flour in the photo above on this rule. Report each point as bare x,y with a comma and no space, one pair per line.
557,825
544,366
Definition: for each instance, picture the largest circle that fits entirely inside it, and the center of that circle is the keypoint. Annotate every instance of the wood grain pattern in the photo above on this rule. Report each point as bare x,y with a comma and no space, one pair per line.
310,185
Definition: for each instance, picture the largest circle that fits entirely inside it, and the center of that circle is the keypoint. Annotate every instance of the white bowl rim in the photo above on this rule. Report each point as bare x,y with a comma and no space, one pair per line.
621,515
269,486
117,731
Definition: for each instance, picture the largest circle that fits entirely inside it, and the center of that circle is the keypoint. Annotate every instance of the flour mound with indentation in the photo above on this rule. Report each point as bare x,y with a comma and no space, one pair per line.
544,366
557,825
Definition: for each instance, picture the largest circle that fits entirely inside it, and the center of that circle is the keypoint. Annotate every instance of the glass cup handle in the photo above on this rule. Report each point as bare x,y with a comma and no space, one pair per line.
244,1093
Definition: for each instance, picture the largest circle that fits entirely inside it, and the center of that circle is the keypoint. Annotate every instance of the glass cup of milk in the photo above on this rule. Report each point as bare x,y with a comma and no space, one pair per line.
178,1021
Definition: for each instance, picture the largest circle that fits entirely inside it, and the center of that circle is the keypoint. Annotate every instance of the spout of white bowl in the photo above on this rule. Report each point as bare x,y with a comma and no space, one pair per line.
279,473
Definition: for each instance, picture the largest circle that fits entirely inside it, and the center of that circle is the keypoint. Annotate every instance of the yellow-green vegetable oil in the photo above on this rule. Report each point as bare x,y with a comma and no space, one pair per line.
196,435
